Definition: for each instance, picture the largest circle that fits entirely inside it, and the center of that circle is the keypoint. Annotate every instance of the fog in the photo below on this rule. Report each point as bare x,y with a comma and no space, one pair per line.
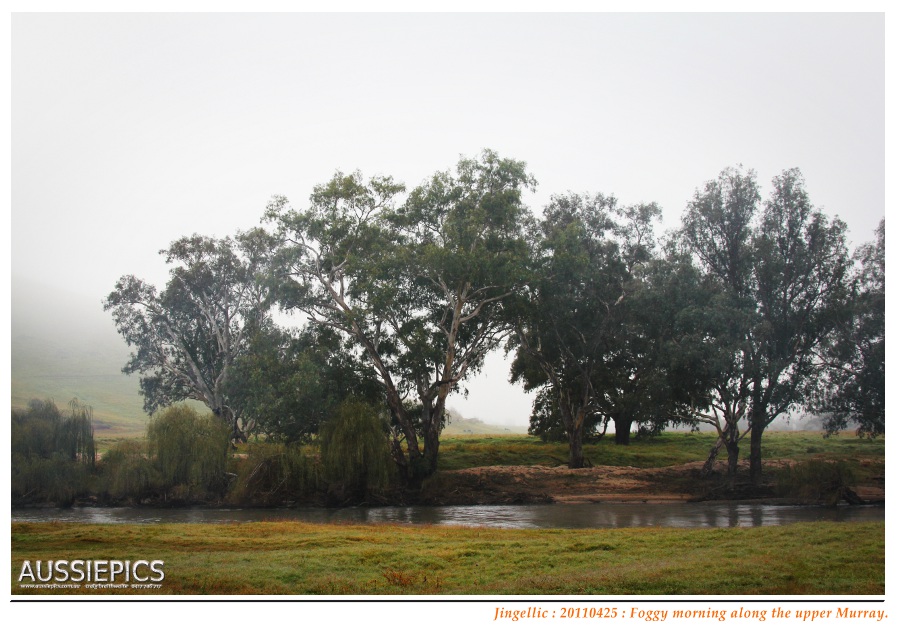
131,130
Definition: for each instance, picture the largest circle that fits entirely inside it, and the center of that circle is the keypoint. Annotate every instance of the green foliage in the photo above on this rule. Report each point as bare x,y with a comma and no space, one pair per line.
128,473
43,431
34,431
76,434
52,453
546,421
816,480
579,331
186,336
273,474
418,285
188,449
781,274
855,355
289,385
55,479
355,453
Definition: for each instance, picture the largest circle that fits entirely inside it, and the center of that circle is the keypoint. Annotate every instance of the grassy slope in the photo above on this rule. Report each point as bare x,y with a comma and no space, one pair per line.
41,370
63,346
459,426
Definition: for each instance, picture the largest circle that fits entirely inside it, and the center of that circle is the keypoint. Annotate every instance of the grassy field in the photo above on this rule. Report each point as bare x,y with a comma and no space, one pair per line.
301,559
461,452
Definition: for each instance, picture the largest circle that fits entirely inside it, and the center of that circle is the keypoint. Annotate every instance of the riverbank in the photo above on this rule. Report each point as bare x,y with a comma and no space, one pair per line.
500,470
519,484
539,484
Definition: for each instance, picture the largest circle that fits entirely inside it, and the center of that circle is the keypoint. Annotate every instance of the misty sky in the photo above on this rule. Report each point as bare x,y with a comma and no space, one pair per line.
131,130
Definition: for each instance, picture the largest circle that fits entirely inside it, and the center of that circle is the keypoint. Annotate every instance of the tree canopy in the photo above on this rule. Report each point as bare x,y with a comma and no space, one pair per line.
854,357
751,309
574,332
781,272
187,336
418,283
291,383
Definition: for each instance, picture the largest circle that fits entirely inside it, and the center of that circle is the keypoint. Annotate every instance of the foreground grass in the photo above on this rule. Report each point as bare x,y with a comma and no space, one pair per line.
307,559
461,452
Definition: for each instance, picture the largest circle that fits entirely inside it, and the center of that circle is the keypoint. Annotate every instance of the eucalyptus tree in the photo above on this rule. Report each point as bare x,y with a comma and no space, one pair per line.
854,357
699,353
642,382
187,336
418,283
801,269
665,344
571,339
717,229
781,271
632,385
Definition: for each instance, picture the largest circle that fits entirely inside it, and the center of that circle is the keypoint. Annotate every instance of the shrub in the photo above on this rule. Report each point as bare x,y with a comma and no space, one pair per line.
55,479
52,454
75,435
127,472
817,480
43,431
273,474
34,430
188,450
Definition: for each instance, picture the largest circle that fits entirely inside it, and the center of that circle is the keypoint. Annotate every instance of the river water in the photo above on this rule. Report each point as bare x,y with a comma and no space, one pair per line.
606,515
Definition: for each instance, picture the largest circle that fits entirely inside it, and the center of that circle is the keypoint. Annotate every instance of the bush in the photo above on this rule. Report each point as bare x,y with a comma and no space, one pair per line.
816,480
128,473
355,453
34,430
55,479
43,431
52,454
274,474
189,451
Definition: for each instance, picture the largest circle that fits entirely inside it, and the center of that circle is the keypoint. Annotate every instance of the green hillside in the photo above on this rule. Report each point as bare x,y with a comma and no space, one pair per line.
63,346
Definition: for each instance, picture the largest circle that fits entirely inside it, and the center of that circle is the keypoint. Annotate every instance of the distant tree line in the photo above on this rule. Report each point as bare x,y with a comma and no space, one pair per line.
750,309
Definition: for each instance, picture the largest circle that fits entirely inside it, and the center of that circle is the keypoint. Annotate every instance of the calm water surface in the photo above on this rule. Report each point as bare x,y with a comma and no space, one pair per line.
608,515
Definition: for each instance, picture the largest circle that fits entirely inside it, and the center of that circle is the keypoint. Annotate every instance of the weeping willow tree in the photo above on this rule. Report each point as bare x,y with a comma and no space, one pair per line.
355,451
189,450
75,434
53,454
127,472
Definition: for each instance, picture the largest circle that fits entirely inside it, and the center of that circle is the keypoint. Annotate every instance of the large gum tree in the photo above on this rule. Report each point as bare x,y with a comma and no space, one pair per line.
781,271
186,337
418,282
573,339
